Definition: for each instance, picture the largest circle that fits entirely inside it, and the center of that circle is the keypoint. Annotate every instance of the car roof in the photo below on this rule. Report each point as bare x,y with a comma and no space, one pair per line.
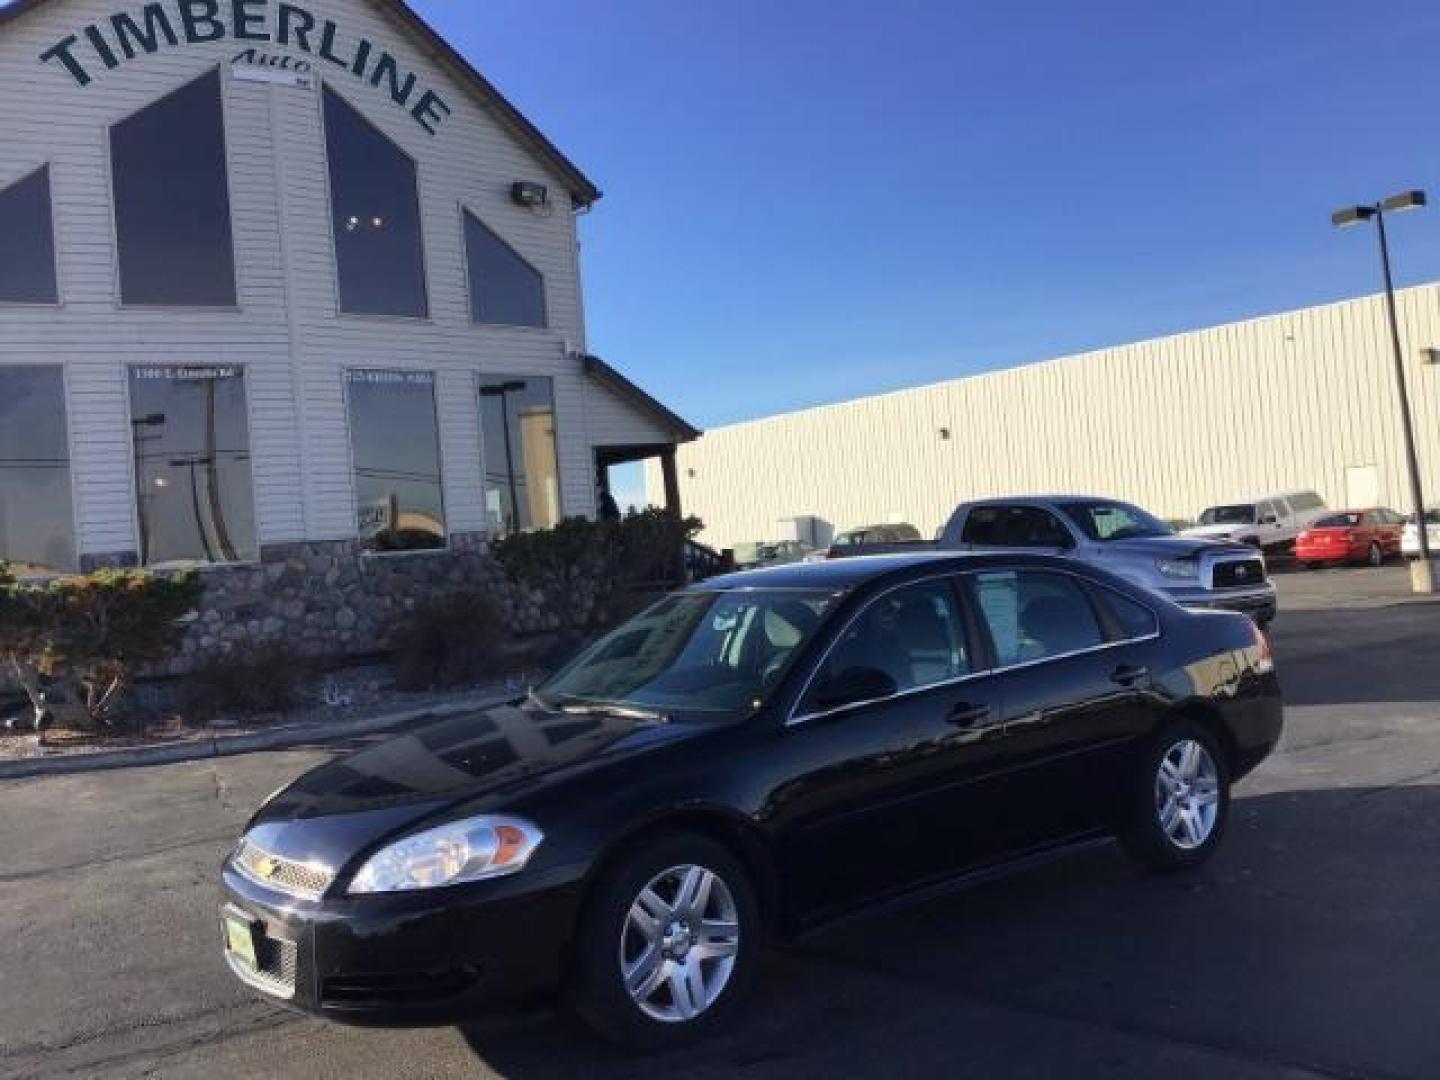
848,573
1003,500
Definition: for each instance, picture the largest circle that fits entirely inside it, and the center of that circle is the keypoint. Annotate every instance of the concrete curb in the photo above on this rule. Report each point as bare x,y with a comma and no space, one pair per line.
229,745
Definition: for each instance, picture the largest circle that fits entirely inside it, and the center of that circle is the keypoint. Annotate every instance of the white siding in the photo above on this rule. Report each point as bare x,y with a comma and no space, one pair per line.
286,329
1286,401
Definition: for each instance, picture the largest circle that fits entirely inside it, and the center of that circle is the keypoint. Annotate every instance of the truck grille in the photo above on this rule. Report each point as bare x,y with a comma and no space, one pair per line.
304,880
1238,574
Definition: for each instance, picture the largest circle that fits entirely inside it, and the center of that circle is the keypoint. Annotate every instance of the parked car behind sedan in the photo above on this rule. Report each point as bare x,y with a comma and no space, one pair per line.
1270,522
1351,536
1410,535
749,758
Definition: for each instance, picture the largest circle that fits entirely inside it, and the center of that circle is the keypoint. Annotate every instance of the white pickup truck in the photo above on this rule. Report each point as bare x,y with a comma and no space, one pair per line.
1270,522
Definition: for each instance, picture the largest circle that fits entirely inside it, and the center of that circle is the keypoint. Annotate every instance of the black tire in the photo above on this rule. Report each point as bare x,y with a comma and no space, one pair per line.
1146,839
1375,556
597,990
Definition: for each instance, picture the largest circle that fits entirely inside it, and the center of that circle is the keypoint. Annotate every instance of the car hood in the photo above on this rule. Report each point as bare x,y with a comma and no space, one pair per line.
1173,547
436,768
1213,531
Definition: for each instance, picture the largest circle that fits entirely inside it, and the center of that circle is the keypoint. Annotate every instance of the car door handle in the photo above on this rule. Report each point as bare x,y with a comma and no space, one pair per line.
1129,674
966,715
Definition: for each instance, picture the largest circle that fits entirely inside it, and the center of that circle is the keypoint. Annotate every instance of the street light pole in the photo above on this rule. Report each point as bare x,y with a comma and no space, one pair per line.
1422,575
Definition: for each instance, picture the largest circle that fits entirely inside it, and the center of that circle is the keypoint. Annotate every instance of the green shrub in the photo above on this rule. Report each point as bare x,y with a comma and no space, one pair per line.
89,634
580,566
262,679
454,641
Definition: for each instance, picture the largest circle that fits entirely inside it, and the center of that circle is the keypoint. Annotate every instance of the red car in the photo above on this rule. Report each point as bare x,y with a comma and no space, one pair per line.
1348,536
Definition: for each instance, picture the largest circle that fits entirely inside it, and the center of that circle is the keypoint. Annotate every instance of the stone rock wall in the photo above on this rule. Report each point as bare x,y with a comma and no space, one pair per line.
330,600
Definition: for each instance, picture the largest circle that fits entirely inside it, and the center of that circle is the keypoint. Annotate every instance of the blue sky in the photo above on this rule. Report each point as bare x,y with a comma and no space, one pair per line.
808,201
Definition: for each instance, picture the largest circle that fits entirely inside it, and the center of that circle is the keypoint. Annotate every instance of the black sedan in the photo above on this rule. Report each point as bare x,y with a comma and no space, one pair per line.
747,759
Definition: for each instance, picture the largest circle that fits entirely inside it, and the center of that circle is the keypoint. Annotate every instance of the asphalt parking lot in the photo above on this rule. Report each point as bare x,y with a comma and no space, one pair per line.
1308,948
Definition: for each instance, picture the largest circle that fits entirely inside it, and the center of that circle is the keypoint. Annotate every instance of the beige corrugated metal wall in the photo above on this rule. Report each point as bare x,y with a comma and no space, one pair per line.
1285,401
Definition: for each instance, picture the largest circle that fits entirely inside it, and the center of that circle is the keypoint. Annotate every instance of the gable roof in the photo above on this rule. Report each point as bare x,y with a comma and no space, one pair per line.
610,378
583,191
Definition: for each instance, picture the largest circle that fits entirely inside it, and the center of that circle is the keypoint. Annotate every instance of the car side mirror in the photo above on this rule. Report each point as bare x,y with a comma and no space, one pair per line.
853,685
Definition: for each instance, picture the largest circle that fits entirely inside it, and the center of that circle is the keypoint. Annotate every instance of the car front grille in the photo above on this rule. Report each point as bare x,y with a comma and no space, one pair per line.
1238,574
305,880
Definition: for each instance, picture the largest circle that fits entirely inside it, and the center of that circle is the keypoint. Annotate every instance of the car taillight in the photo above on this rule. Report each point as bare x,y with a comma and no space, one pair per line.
1264,658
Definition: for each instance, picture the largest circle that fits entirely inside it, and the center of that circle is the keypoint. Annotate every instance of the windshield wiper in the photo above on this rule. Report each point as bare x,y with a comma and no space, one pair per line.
613,708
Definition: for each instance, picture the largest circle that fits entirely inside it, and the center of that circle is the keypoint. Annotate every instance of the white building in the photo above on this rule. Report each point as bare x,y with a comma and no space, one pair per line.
278,274
1303,399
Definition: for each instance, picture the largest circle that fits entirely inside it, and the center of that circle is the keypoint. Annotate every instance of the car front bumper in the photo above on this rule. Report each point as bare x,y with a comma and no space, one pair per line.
1260,603
405,959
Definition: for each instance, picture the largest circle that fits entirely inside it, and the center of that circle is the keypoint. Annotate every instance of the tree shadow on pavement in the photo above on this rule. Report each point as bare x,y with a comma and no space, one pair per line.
1307,946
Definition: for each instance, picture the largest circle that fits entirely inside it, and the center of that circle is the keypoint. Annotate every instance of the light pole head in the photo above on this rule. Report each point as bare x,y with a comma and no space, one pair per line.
1406,200
1352,215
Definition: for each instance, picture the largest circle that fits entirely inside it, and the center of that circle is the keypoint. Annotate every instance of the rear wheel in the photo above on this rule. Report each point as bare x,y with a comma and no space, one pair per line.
667,943
1375,556
1181,799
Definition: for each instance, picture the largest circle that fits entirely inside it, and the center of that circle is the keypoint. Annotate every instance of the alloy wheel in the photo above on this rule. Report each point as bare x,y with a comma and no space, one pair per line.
679,943
1187,794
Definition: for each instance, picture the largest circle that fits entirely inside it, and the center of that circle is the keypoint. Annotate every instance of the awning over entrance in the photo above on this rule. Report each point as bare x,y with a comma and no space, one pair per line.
627,424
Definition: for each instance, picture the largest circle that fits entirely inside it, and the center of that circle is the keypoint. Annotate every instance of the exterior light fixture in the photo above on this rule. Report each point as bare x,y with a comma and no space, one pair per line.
529,194
1430,356
1406,200
1351,215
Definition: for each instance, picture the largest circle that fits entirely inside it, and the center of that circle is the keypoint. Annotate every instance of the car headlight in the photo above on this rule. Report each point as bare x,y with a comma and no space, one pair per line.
471,849
1186,569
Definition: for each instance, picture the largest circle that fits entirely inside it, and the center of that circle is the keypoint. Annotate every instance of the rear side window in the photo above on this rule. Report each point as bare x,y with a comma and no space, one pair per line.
1014,526
1033,615
1133,619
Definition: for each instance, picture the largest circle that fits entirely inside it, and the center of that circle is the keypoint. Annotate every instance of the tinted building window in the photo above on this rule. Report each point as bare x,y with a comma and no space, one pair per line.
37,531
192,464
396,449
27,242
522,473
379,257
504,288
172,202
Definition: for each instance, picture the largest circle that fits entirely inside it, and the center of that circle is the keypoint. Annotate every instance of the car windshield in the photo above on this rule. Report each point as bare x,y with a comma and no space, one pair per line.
694,654
1338,521
1240,514
1104,521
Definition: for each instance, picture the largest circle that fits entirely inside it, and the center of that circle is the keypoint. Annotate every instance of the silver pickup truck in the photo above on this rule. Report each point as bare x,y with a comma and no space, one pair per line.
1115,535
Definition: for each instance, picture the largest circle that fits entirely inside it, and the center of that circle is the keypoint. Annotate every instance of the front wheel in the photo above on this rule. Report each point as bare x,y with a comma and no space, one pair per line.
1181,799
667,943
1375,557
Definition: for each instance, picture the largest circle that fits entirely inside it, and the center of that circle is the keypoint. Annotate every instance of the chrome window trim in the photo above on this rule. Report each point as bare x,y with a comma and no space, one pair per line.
794,719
